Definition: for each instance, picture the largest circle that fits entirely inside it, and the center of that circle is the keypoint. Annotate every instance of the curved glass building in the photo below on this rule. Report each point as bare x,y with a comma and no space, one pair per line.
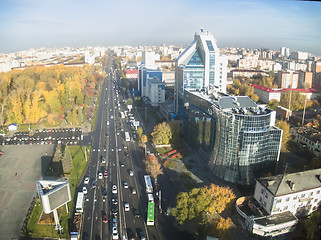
237,136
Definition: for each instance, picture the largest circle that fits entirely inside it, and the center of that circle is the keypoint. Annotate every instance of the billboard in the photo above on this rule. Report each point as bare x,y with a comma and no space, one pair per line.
53,194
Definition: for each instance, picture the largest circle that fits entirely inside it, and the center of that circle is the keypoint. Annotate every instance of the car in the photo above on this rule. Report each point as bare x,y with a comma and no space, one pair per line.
115,236
136,213
134,191
130,234
103,192
114,210
114,201
105,219
142,235
131,173
122,164
107,123
84,190
126,153
125,185
114,222
119,149
111,116
126,207
86,181
93,184
105,174
100,175
114,189
124,146
103,159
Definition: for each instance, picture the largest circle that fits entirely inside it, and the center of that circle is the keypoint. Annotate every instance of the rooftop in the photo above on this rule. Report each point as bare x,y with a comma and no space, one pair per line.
275,219
266,89
280,185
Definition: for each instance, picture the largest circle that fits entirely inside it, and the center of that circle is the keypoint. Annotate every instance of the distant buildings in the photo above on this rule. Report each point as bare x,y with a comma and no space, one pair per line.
236,135
199,67
287,79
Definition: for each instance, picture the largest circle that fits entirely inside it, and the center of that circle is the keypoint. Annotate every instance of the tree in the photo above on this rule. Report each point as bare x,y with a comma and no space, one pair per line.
142,139
176,130
161,134
58,155
201,202
129,101
273,104
219,227
286,131
317,122
153,167
139,131
66,160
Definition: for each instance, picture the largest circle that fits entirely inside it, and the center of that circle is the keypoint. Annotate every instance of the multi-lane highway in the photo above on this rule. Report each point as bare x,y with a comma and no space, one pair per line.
124,167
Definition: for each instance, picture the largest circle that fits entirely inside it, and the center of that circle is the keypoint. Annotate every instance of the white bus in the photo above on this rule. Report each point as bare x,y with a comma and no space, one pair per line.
148,184
80,202
127,137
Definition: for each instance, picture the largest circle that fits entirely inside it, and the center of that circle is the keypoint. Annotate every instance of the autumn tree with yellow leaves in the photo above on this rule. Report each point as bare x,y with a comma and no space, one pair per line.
201,202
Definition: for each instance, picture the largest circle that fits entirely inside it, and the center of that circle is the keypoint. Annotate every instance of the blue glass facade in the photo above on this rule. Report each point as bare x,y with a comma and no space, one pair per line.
238,146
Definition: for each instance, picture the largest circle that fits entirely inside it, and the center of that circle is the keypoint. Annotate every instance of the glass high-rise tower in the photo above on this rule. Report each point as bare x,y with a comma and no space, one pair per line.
199,67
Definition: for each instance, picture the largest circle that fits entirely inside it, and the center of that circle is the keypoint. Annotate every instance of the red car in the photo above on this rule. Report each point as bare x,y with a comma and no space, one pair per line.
105,219
105,174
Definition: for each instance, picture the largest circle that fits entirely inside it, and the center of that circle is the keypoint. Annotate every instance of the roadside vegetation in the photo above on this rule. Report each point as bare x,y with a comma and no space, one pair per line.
49,95
73,170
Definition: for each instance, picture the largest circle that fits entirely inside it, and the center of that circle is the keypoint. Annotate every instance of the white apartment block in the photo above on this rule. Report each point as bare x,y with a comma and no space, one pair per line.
155,90
298,193
266,94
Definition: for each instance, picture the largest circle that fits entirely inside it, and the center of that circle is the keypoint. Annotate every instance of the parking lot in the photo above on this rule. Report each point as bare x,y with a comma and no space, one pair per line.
20,167
69,136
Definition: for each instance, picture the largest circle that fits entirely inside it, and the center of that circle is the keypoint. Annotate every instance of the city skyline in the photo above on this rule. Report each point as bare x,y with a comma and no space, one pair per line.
250,24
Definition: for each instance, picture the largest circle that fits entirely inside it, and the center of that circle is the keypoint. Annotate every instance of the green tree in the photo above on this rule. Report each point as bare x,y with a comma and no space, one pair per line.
161,134
66,160
58,155
286,131
273,104
129,101
317,122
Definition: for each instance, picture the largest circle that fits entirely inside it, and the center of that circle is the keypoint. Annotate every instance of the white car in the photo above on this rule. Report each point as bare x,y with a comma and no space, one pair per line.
100,175
86,181
126,206
125,185
131,173
84,190
114,190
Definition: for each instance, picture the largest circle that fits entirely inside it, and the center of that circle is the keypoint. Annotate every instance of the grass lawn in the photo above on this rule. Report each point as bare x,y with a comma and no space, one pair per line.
163,150
43,230
25,127
185,175
170,164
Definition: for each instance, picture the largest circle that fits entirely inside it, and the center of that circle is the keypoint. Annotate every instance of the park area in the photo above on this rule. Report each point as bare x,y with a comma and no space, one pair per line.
42,225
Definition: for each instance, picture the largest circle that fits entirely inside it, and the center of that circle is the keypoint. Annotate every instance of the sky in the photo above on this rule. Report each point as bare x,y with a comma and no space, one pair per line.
252,24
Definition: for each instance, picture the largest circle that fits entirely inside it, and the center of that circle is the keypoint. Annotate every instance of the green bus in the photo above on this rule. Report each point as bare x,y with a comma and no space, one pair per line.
150,214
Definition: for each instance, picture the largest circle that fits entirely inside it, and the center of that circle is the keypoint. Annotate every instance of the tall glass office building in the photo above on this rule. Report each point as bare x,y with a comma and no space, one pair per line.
237,136
199,67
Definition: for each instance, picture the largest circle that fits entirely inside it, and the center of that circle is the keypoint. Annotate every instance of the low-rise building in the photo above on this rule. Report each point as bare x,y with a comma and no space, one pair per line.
278,201
131,74
307,138
266,94
247,73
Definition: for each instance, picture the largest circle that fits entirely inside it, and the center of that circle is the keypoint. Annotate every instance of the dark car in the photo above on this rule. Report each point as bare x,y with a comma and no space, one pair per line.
142,235
136,213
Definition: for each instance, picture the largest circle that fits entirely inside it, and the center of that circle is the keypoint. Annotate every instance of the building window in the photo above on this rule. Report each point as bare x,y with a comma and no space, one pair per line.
315,200
278,200
318,192
302,195
260,199
277,210
287,199
262,190
311,193
285,208
264,204
295,197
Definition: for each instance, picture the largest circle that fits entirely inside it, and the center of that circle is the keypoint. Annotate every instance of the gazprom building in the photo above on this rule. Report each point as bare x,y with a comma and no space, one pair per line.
238,137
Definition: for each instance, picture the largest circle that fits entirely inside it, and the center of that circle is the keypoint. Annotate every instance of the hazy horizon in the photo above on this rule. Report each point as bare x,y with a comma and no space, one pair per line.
251,24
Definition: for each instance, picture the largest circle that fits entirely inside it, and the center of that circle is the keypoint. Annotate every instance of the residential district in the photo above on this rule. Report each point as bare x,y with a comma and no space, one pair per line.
248,121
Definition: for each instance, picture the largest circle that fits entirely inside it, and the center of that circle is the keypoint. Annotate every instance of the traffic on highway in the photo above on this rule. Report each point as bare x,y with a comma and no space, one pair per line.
116,202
